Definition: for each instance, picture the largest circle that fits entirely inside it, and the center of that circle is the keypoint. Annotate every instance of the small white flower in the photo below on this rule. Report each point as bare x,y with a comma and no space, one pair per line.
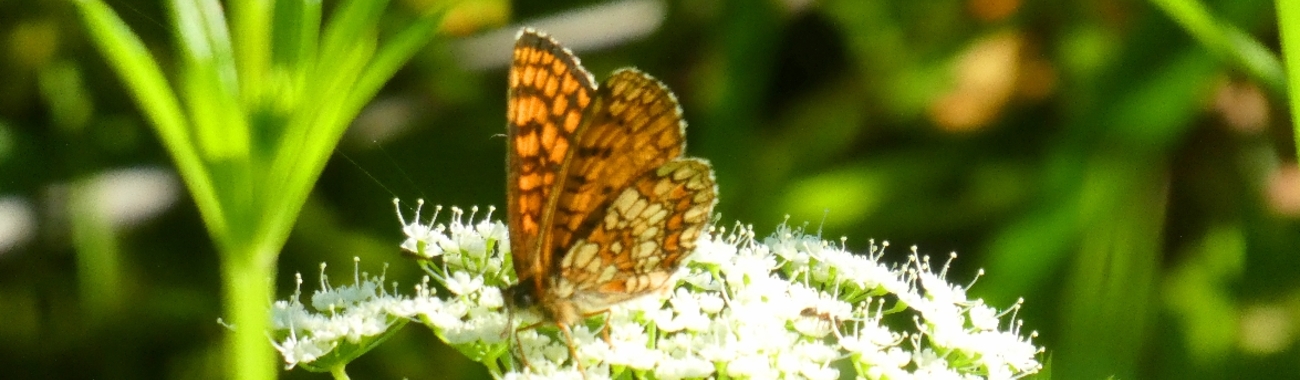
712,252
491,298
301,350
462,283
752,366
689,367
711,303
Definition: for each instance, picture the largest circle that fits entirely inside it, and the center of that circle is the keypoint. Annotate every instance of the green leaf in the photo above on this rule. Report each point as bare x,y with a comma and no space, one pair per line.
389,59
295,49
251,27
147,84
352,24
1227,41
210,82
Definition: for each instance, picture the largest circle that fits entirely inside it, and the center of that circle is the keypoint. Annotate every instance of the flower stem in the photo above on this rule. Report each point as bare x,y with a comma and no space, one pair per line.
340,373
247,285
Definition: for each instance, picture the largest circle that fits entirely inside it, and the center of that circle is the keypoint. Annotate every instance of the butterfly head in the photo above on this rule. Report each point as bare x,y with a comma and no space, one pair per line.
517,297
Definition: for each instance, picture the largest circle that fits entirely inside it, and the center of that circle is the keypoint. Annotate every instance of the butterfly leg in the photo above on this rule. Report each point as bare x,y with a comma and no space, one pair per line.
573,349
604,330
568,340
523,357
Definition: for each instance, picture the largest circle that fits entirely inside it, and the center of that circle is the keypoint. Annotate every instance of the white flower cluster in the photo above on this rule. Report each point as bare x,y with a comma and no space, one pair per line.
787,306
348,321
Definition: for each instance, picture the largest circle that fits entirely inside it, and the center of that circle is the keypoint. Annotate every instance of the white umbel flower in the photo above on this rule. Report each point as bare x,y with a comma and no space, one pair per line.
787,306
346,321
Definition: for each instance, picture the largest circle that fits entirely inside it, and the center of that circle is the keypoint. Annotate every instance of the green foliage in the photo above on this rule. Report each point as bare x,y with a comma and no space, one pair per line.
250,120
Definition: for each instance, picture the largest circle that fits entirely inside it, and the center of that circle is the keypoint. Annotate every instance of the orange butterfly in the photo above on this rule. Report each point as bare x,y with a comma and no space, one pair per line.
602,207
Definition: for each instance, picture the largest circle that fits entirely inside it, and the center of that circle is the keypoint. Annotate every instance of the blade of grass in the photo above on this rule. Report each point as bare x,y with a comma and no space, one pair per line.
1111,284
295,43
99,257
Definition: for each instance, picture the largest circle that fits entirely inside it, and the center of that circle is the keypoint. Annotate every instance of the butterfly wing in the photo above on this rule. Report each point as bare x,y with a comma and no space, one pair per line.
641,238
548,93
634,126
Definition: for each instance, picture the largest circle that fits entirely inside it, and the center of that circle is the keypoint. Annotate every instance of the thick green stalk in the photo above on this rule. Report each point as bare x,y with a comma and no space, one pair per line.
339,373
247,283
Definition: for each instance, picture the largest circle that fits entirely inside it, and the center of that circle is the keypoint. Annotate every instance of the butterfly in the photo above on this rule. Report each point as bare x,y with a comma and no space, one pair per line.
602,207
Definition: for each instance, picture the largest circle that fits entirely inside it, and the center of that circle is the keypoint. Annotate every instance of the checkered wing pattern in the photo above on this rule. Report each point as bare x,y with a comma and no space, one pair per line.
642,236
635,126
548,93
602,207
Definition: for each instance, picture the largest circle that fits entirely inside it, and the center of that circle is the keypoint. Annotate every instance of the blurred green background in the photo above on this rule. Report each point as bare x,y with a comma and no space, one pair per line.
1136,186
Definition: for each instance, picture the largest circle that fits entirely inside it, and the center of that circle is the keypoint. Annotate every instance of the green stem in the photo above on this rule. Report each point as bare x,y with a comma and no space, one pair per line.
247,284
339,373
99,259
1288,22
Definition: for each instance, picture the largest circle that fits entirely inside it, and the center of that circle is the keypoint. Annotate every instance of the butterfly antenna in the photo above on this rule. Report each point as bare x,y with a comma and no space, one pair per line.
368,174
394,163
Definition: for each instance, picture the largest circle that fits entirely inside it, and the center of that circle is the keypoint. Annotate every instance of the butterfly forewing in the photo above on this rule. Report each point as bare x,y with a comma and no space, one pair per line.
548,92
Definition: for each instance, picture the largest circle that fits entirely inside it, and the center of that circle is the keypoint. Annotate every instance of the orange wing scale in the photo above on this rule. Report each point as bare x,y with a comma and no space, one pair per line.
548,92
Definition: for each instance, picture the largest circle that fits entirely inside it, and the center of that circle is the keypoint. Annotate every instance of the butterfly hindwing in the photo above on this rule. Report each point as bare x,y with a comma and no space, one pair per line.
642,236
